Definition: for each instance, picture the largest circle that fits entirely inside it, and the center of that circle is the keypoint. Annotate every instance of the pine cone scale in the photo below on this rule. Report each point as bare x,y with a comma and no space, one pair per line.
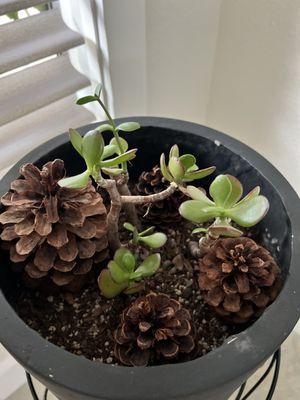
150,331
57,231
236,277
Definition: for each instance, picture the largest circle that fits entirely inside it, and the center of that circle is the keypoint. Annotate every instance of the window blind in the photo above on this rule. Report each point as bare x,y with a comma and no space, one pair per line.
36,77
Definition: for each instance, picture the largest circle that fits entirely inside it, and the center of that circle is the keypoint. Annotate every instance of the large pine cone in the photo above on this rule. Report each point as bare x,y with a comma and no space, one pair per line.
153,328
239,278
57,232
165,211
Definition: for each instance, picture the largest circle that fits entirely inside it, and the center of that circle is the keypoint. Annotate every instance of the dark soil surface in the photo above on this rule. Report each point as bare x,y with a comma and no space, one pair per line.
84,323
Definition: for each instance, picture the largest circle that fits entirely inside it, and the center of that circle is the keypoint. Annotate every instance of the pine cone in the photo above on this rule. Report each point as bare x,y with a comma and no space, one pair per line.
239,278
152,328
165,211
57,232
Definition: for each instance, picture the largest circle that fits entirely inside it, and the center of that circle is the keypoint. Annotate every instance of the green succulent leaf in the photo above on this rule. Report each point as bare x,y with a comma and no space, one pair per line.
108,287
174,151
187,160
118,273
250,212
86,99
76,182
112,171
92,148
199,230
109,150
105,128
148,231
201,173
148,267
129,227
198,194
164,170
124,144
98,90
251,195
235,193
128,126
124,257
220,190
129,155
76,140
224,230
176,168
194,211
155,240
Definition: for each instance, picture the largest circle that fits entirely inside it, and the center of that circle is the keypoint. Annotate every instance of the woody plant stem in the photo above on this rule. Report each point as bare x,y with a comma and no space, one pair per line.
118,200
122,185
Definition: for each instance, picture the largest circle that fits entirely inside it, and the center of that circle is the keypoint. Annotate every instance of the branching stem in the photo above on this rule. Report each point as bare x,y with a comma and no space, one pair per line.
114,213
151,198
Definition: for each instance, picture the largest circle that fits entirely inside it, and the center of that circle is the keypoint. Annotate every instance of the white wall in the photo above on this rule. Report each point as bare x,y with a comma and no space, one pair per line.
230,64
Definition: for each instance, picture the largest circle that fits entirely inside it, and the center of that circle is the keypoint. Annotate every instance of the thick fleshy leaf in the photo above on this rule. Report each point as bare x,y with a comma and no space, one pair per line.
129,226
76,182
176,168
125,258
155,240
129,155
198,194
108,287
85,100
123,142
109,151
253,193
199,230
201,173
148,267
92,148
225,230
105,128
194,211
128,126
147,231
76,140
249,213
174,151
98,90
118,274
236,192
188,160
220,190
112,171
164,170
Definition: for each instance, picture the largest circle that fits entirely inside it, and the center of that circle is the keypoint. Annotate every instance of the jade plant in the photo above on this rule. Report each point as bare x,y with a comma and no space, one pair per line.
147,237
125,274
107,164
224,207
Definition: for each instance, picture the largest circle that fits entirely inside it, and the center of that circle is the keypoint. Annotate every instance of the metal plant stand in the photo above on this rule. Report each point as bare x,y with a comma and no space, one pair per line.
275,362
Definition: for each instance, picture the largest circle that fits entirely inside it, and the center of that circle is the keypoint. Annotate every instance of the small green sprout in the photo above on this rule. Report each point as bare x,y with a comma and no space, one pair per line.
182,169
148,237
124,275
226,192
92,149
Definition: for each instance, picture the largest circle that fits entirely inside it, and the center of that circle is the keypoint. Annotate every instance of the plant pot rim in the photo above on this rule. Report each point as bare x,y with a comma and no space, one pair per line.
236,357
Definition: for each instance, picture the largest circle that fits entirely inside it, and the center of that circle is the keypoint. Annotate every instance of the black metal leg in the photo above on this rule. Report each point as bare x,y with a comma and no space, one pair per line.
276,359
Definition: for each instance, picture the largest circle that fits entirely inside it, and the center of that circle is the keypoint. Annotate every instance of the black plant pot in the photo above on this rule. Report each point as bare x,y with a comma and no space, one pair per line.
216,375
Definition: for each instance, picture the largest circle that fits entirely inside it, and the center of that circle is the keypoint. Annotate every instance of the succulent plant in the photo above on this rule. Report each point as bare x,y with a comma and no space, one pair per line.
124,274
226,192
182,169
91,147
148,237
